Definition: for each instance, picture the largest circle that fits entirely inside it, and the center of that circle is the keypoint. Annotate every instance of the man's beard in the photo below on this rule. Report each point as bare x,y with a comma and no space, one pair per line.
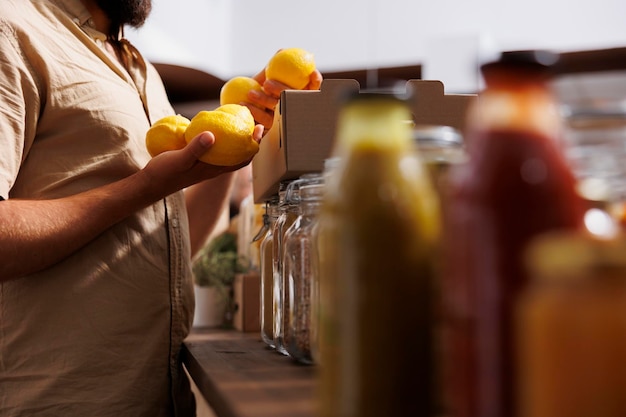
126,12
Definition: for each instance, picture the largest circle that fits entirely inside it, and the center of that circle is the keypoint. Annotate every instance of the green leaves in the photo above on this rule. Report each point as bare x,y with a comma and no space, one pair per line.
218,262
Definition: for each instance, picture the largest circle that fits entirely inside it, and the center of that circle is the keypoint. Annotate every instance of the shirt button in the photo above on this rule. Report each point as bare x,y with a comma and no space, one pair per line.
174,223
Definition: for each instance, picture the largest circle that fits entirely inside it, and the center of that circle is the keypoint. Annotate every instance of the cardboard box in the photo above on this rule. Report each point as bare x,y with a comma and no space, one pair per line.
301,136
246,289
431,106
303,132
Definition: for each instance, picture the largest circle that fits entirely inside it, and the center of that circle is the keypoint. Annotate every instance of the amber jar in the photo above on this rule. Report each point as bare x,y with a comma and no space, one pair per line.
571,328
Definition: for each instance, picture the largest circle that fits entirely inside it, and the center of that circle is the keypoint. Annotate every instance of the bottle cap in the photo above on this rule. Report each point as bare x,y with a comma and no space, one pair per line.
540,61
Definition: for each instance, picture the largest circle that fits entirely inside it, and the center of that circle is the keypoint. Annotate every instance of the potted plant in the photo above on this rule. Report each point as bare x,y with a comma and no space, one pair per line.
214,271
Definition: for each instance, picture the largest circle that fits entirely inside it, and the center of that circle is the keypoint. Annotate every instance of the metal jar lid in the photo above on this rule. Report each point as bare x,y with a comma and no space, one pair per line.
437,136
439,143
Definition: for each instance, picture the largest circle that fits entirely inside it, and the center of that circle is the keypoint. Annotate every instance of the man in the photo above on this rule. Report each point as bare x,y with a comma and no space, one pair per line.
95,283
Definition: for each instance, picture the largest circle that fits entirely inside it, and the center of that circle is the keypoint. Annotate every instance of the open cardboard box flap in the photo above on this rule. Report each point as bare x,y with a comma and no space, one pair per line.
302,135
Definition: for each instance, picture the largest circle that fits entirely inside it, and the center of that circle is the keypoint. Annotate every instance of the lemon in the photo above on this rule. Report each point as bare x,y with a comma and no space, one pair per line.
235,90
240,111
167,134
232,126
291,66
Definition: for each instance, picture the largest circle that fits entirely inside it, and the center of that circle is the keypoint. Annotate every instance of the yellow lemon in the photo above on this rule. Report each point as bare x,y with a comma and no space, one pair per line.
240,111
291,66
167,134
235,90
234,143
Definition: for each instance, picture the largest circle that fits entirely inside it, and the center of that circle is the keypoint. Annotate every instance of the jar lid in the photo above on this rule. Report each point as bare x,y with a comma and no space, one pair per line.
437,136
591,112
292,193
565,255
312,192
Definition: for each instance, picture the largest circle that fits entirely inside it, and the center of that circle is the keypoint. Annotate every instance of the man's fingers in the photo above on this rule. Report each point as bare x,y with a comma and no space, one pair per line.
262,116
315,81
200,144
257,134
263,99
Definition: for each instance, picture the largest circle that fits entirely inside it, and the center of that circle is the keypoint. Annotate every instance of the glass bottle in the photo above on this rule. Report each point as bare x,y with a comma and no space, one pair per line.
571,322
378,232
267,273
298,271
515,186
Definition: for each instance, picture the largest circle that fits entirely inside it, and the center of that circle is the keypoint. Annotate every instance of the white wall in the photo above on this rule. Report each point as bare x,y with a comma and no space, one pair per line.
190,33
237,37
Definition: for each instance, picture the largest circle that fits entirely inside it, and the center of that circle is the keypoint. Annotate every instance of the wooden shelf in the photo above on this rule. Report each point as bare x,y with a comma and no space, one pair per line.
613,59
240,377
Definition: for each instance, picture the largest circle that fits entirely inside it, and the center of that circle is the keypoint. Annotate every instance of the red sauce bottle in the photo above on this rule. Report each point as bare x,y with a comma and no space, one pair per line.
515,186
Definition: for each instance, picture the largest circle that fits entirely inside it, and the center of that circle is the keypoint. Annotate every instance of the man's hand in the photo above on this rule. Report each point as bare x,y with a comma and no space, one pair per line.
263,104
175,170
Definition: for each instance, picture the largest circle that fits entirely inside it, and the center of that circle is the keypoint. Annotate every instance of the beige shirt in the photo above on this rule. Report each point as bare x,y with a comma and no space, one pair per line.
98,334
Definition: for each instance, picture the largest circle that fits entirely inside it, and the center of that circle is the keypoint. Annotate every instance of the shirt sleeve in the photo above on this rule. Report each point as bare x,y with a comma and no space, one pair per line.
19,107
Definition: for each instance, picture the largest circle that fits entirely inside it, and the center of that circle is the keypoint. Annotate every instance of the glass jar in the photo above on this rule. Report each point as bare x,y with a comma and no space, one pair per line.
267,272
377,239
288,211
330,166
249,225
244,228
595,145
298,270
439,147
515,186
256,240
571,328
